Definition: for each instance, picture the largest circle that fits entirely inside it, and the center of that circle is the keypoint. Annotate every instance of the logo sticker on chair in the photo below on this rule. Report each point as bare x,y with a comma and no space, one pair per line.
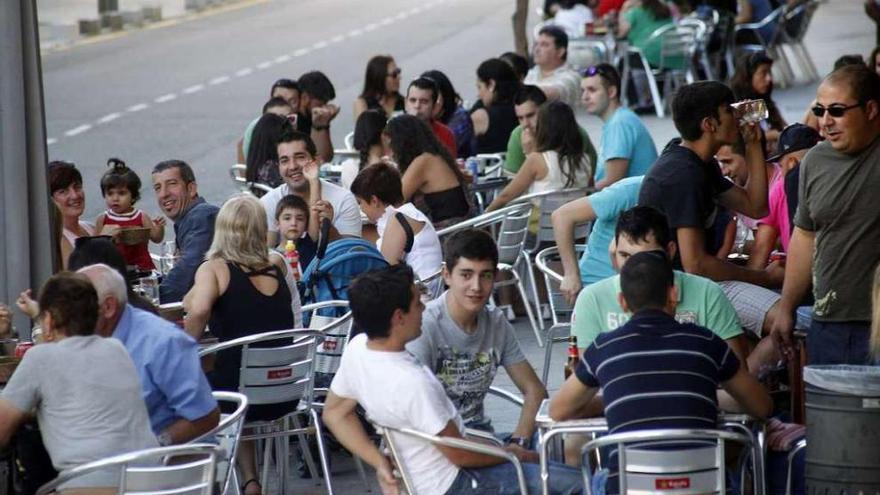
279,374
672,483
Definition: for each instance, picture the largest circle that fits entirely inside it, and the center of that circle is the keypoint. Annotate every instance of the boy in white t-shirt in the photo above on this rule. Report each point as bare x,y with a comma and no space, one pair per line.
396,391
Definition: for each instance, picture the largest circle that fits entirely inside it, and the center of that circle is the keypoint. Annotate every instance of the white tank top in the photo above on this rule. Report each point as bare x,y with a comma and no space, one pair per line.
426,257
555,180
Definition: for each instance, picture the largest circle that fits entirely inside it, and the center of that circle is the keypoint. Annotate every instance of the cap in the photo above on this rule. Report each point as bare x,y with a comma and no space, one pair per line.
793,138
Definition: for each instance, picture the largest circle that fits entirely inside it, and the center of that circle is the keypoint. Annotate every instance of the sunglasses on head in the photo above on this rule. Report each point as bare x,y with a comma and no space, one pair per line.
835,111
396,72
593,70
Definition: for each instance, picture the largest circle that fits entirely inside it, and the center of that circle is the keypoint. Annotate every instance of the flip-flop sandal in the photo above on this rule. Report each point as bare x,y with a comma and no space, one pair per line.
248,482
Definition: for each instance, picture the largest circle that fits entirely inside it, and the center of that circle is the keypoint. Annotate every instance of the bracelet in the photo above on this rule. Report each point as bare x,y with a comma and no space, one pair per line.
320,127
525,443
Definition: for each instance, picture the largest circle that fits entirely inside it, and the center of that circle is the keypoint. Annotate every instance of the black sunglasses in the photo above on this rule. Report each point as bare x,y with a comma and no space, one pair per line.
396,72
835,111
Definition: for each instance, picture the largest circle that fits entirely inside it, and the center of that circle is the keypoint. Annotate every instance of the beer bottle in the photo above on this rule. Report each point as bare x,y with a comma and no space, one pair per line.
573,356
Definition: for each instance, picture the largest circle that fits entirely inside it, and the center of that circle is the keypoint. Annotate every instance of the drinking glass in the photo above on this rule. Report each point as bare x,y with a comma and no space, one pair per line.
149,288
750,111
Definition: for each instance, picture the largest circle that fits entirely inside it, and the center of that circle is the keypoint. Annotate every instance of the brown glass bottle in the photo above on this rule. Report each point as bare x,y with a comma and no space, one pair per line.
573,356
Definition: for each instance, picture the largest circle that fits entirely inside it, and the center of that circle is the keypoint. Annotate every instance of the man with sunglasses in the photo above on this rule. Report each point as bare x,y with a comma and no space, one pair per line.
626,148
837,228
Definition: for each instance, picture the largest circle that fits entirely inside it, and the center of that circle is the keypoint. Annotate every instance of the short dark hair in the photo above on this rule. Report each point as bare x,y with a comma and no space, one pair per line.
375,295
518,63
290,135
275,103
696,101
425,83
284,83
61,175
72,302
639,222
317,85
560,39
186,172
645,280
851,59
472,244
380,180
864,83
292,202
607,74
529,92
120,175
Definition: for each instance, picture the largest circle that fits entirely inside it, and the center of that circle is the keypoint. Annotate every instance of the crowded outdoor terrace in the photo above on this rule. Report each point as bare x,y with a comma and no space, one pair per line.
715,299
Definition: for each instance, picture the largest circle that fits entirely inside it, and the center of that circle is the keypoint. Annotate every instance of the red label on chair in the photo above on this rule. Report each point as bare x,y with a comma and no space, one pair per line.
672,483
279,374
329,345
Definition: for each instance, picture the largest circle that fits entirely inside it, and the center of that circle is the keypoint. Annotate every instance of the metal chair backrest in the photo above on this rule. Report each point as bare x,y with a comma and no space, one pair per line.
271,375
797,20
512,234
678,43
151,470
238,174
336,330
560,310
432,286
227,434
694,469
390,435
547,203
349,141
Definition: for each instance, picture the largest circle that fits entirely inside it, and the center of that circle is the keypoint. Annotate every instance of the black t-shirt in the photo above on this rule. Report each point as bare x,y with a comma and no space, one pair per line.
685,189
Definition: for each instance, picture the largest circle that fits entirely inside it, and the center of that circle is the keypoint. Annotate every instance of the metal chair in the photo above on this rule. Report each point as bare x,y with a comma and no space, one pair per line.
789,474
432,286
560,310
704,30
546,203
691,470
349,141
150,470
678,45
512,256
771,45
238,174
227,434
271,375
794,25
388,435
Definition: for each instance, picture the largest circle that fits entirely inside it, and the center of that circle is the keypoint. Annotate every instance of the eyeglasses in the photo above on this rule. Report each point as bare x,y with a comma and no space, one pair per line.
395,73
835,111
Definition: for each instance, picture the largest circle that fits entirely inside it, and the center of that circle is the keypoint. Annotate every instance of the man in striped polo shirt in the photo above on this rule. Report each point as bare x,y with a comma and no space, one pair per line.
655,372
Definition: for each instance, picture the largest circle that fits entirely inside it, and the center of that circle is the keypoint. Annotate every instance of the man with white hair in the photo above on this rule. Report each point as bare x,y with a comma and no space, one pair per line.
175,390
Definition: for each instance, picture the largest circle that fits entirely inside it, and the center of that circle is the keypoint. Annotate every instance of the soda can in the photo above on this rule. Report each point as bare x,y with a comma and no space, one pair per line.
21,348
777,256
473,166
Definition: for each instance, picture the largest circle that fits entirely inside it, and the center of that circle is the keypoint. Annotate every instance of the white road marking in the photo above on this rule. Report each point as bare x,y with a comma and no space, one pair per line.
388,20
77,130
193,89
301,52
415,10
109,117
243,72
337,39
319,45
282,58
218,80
51,141
355,32
371,26
164,98
264,65
401,16
137,108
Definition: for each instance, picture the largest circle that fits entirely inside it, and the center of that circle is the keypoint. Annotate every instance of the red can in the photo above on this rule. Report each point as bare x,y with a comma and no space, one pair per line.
778,256
21,348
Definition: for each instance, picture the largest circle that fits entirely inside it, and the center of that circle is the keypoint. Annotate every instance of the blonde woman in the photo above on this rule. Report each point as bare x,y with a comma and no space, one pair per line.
239,291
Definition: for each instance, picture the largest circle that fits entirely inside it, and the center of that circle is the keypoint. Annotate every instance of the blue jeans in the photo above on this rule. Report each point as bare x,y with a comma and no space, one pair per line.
838,342
501,480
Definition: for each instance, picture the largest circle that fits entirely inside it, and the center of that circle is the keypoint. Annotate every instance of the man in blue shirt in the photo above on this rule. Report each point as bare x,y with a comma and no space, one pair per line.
601,208
178,196
175,390
626,148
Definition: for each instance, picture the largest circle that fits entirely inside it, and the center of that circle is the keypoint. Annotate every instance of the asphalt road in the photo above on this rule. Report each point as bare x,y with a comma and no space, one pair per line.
188,90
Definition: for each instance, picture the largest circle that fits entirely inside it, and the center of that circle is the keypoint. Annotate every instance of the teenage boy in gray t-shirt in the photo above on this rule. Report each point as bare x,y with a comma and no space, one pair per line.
464,342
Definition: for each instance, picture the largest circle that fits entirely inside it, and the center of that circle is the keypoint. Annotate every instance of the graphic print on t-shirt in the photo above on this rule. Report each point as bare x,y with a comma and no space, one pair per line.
466,377
615,320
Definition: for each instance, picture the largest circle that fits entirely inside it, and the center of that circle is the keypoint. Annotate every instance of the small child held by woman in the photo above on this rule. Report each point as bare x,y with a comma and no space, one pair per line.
121,188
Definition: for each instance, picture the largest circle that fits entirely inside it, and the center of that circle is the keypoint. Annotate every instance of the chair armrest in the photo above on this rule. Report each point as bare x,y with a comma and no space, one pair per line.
508,396
482,435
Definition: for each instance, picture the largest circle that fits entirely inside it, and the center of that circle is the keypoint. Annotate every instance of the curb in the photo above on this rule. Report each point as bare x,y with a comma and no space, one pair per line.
119,24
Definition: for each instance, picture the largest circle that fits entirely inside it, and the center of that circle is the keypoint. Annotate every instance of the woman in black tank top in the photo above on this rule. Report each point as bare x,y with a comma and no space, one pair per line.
239,291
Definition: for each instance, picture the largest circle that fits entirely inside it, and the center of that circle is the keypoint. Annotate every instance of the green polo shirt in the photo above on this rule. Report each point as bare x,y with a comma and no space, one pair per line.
515,156
700,301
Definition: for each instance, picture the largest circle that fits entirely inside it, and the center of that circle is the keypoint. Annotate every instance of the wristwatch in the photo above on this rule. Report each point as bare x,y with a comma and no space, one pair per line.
164,439
320,127
525,443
